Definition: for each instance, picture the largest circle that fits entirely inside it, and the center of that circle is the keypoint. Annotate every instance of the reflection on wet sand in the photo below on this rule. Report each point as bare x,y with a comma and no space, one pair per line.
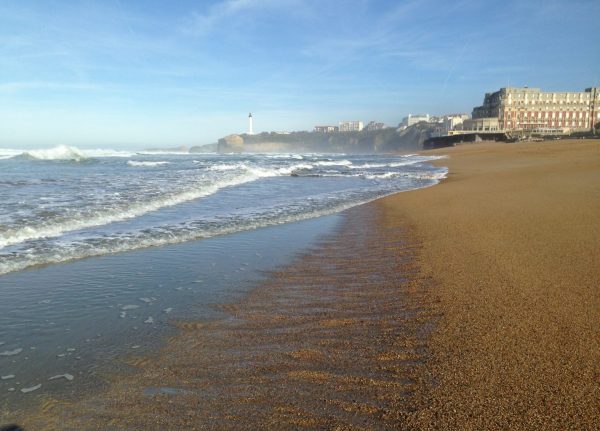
335,339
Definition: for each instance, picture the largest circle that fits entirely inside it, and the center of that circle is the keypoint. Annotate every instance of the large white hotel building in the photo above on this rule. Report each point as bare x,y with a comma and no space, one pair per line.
530,109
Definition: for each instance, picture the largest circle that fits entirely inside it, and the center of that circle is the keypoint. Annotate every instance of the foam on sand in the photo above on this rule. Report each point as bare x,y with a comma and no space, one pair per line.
31,388
11,352
65,376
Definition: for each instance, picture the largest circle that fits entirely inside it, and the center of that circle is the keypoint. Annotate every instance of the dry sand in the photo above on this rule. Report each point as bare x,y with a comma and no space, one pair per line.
512,239
473,304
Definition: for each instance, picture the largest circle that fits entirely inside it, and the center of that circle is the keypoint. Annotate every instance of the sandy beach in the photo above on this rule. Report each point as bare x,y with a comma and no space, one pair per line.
473,304
512,240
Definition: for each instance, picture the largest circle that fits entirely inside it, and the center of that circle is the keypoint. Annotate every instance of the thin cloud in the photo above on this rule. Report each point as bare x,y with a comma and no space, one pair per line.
202,23
16,87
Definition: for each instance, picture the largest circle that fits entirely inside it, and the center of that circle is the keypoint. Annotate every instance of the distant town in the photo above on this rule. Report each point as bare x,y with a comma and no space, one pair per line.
511,113
509,110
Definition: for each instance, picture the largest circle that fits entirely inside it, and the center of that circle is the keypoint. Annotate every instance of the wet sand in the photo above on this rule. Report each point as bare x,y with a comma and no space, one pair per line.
336,339
473,304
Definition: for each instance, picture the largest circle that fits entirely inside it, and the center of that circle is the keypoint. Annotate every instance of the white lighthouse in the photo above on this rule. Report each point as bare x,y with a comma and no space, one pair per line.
250,132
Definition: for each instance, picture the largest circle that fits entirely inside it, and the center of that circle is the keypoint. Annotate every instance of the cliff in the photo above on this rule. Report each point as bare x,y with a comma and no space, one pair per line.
364,142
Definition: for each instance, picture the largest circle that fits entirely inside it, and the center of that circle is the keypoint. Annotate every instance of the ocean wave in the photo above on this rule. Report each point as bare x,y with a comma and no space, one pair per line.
334,163
284,156
61,152
369,166
8,153
227,166
147,164
64,152
381,176
162,236
103,217
259,171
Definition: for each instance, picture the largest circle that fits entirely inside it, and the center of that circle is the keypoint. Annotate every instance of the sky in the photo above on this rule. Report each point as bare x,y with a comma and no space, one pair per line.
139,74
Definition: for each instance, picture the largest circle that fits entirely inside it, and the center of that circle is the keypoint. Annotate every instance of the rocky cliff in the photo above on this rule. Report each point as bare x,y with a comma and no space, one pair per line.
364,142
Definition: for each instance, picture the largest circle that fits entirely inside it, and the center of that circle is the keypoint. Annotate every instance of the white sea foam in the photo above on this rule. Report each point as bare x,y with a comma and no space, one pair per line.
224,174
404,163
227,167
368,166
334,163
188,235
7,153
284,156
7,377
11,352
382,176
104,217
61,152
434,175
147,164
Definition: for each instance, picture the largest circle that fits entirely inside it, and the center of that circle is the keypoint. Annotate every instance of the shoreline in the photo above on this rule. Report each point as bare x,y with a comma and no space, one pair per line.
490,325
296,352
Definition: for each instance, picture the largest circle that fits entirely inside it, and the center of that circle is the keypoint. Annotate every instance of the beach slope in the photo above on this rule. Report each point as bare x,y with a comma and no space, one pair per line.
512,241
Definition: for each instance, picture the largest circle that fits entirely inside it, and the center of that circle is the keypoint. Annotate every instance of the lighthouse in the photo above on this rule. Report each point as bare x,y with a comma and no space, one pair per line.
250,132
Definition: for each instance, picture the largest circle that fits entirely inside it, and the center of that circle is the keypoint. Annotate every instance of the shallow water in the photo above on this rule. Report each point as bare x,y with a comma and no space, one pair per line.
78,318
74,206
100,251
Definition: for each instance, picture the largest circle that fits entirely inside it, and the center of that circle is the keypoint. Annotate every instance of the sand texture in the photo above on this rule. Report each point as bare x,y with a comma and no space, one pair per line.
512,240
470,305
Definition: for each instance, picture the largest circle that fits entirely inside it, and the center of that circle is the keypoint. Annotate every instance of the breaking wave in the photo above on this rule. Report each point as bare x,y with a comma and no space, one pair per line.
61,152
54,212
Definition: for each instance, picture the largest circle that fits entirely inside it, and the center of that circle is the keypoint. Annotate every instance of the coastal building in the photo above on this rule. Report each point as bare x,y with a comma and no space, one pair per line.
326,129
449,124
414,119
374,126
530,109
250,132
351,126
452,121
487,124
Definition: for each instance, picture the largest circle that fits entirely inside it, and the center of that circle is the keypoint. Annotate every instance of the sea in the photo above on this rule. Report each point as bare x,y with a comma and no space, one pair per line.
102,252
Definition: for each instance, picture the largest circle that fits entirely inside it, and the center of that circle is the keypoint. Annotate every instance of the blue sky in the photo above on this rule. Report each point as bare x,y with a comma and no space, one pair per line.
119,73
